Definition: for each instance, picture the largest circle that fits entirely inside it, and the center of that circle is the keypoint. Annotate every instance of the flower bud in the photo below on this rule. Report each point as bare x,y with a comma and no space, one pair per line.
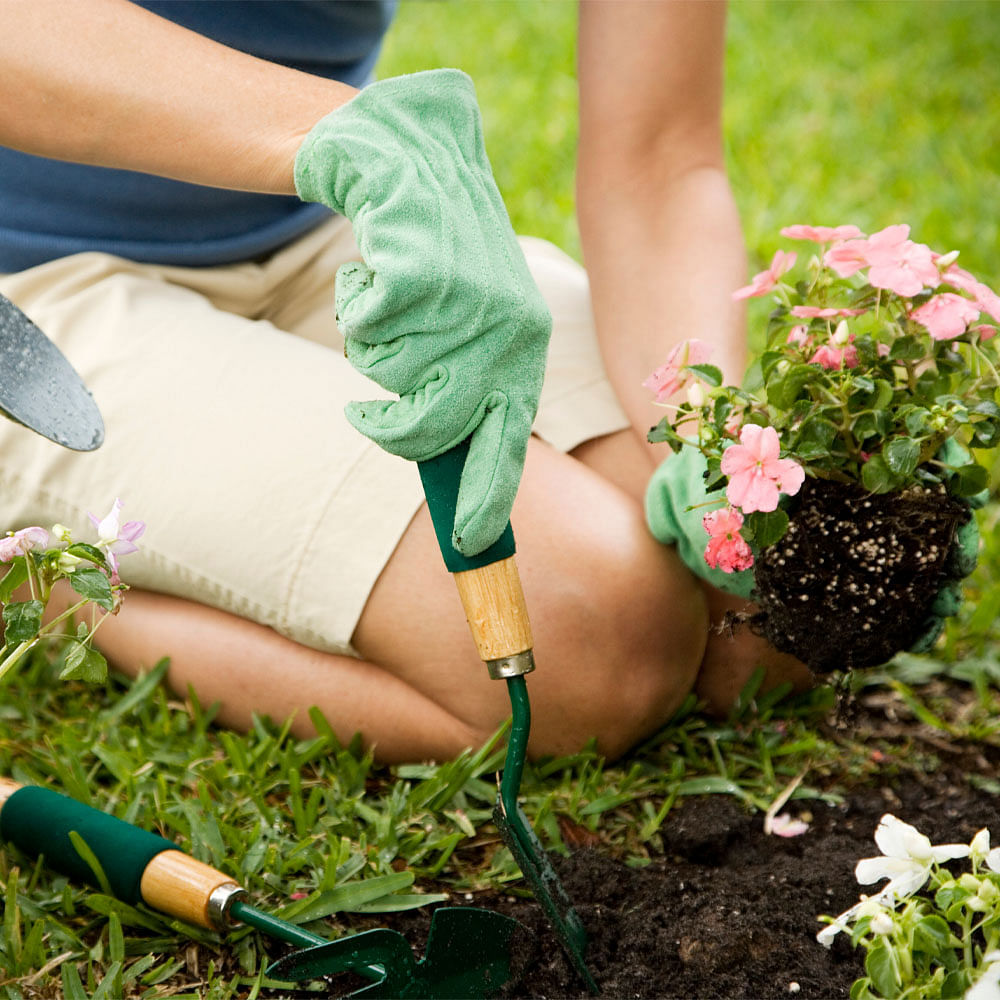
969,882
68,563
842,335
882,923
946,259
696,395
979,846
62,533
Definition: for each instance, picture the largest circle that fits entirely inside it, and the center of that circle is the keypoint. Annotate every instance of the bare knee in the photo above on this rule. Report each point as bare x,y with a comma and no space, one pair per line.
620,635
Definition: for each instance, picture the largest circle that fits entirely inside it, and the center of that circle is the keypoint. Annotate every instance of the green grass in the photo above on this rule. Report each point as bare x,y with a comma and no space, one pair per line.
836,112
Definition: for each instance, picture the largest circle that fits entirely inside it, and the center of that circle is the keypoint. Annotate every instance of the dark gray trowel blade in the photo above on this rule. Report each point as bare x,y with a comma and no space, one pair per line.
40,389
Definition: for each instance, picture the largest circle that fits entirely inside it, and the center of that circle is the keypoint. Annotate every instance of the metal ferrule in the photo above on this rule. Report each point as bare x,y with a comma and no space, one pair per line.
511,666
220,900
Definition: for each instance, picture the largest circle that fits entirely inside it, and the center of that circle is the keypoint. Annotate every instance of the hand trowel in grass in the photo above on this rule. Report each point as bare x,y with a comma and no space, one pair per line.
40,389
468,954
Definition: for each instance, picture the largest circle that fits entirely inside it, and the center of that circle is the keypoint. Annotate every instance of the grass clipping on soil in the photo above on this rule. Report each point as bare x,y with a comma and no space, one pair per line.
853,581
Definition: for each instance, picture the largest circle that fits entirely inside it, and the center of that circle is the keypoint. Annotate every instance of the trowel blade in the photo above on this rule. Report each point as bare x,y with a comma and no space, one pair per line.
40,389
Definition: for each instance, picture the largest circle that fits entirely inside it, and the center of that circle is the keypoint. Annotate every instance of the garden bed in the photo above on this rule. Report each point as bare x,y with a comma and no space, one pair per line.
728,911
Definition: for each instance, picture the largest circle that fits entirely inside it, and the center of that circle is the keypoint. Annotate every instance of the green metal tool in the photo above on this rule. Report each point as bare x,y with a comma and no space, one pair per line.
468,950
491,594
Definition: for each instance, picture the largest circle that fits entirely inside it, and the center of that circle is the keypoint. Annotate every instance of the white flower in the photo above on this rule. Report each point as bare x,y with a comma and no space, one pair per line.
907,858
993,860
882,923
868,907
987,986
979,848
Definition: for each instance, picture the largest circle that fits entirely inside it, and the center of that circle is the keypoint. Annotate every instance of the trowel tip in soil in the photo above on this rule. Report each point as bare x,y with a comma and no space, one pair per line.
470,953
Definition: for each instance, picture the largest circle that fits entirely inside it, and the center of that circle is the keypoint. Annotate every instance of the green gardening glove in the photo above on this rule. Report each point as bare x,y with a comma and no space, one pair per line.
677,485
443,311
961,561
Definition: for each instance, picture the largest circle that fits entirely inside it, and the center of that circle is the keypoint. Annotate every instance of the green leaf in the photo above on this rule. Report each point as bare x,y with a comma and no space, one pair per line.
22,621
968,480
348,898
84,663
902,454
907,349
13,578
85,551
917,420
707,373
877,477
986,433
784,389
882,971
932,934
766,528
94,585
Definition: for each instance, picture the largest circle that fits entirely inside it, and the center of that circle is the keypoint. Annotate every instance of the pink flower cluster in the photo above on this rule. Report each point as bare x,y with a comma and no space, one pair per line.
757,476
895,263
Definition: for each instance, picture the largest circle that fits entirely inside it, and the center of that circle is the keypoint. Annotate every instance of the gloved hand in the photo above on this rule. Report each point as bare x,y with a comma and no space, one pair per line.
961,561
677,484
443,311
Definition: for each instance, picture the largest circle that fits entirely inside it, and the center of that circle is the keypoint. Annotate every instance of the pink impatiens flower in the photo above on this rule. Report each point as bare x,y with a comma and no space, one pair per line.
727,549
816,312
898,264
834,356
116,539
670,376
20,543
984,296
821,234
756,474
946,316
762,283
846,257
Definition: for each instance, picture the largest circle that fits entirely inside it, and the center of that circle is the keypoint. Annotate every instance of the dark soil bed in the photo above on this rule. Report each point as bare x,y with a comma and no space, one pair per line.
730,912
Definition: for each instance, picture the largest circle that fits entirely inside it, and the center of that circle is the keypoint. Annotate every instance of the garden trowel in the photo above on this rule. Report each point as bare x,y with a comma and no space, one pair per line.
469,953
40,389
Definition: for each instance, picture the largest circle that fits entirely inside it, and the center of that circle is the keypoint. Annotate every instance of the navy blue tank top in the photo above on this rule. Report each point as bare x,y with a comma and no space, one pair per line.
49,208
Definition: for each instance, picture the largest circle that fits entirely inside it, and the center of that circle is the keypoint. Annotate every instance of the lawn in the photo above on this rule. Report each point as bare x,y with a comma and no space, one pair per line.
871,113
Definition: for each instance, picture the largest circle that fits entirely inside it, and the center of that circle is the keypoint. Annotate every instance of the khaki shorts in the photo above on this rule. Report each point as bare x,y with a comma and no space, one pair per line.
222,391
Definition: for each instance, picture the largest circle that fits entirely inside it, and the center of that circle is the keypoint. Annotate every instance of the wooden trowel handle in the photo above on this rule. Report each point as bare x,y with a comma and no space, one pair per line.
488,583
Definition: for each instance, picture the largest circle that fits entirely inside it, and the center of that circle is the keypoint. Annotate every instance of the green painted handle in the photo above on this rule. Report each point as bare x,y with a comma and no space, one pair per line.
39,822
441,477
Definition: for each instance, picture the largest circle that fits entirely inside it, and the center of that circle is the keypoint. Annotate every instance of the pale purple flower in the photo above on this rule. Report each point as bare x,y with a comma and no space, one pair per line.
20,543
116,539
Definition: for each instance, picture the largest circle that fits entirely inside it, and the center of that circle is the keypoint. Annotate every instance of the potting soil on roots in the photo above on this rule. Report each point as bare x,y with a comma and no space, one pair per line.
852,582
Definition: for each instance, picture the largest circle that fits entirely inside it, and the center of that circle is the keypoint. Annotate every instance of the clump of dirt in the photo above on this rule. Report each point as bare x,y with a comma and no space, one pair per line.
853,580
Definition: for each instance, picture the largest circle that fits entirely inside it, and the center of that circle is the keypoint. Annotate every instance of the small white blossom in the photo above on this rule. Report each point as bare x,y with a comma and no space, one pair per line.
979,847
882,923
907,858
987,986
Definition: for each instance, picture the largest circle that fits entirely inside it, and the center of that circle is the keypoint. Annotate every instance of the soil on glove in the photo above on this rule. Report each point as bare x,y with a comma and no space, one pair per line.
852,582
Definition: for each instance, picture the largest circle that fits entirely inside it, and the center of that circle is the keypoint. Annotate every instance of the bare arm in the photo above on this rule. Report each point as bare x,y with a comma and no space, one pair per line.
661,234
108,83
